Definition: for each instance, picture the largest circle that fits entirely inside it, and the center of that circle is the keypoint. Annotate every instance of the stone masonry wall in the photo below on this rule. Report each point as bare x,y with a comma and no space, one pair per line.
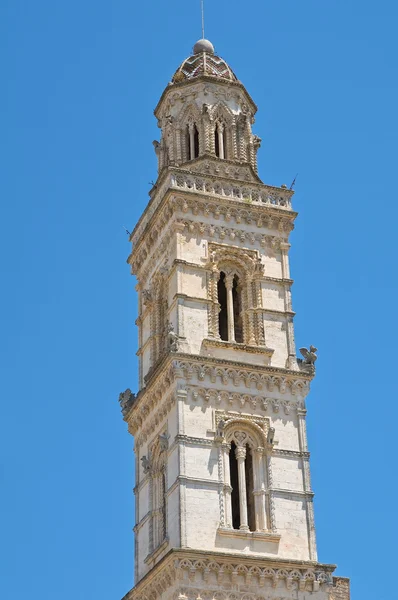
341,588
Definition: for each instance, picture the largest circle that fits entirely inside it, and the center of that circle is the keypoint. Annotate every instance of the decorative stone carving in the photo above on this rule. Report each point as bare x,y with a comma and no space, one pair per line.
163,442
146,464
126,401
309,355
172,338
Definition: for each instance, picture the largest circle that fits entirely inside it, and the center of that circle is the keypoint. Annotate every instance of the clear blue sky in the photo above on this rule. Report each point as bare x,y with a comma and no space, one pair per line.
80,81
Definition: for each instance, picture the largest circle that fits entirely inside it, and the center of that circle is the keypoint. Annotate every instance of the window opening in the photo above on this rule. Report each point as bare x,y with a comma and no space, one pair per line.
188,143
249,489
237,303
196,141
220,140
233,469
192,141
223,314
216,142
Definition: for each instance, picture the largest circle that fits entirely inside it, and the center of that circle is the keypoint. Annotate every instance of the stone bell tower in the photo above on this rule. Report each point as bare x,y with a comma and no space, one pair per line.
224,504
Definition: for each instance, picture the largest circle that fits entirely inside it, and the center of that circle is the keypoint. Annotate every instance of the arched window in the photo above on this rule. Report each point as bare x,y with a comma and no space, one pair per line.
158,493
223,314
233,469
245,477
237,304
230,323
192,141
220,140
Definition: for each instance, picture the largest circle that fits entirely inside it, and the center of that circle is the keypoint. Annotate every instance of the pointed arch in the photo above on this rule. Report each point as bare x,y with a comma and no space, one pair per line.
158,491
191,128
222,131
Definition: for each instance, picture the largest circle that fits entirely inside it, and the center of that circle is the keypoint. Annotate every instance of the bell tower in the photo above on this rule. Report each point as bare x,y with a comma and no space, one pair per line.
224,504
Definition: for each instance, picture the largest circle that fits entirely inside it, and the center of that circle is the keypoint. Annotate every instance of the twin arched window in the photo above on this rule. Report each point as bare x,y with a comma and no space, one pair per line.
245,477
230,316
192,140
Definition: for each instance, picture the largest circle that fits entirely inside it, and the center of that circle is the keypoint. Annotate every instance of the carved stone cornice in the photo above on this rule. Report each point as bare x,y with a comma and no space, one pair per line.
290,453
216,397
189,571
233,199
262,376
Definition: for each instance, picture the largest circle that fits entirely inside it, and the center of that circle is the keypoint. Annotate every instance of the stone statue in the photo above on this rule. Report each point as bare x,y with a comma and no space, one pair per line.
309,355
126,401
220,429
146,464
172,338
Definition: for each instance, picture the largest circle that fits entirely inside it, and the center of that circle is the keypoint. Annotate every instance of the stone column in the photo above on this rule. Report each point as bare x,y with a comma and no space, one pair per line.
272,514
220,133
240,454
230,308
227,486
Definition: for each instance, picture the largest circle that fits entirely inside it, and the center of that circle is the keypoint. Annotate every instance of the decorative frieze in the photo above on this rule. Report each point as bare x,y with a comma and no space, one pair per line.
237,376
231,579
263,206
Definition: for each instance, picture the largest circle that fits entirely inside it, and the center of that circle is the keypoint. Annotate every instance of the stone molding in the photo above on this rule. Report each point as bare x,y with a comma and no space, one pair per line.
270,207
215,397
273,243
222,89
265,536
185,366
207,573
228,371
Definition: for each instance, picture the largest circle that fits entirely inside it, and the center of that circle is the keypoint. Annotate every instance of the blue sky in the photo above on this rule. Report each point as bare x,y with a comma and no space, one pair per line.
80,81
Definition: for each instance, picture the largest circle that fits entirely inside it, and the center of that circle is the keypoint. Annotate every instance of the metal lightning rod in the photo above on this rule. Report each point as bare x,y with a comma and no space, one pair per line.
202,8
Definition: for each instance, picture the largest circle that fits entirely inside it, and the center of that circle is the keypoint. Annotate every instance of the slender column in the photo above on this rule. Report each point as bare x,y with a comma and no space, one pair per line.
220,132
230,308
240,454
191,140
227,486
270,478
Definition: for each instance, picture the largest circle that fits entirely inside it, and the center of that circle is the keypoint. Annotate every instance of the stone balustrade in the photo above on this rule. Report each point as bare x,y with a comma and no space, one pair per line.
257,194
